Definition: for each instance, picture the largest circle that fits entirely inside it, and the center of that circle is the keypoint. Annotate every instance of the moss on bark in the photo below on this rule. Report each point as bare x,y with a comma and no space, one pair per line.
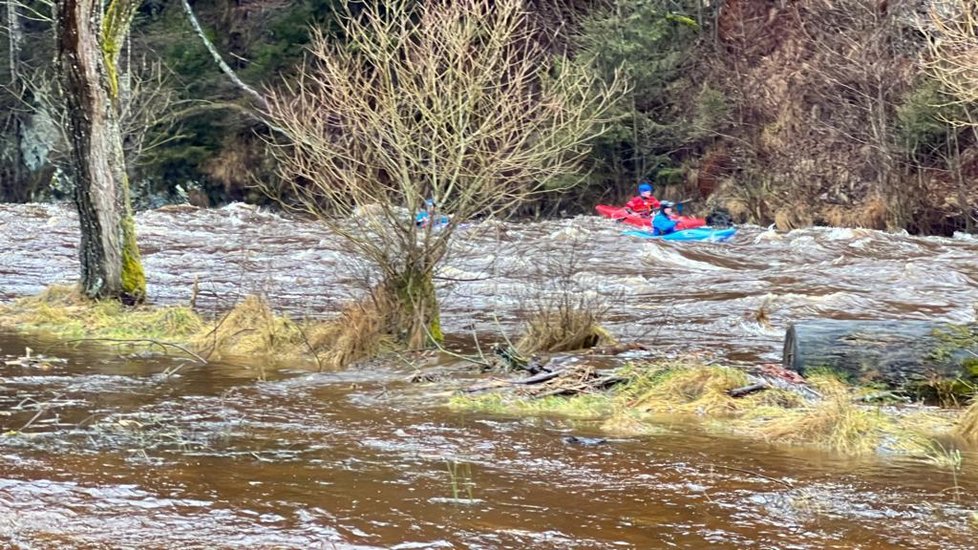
133,276
413,308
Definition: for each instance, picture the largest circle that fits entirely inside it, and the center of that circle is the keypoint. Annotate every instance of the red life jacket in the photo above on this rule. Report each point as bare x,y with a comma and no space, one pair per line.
642,205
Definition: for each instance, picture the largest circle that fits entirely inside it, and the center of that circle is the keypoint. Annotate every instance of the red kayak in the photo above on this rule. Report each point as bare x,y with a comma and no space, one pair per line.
638,220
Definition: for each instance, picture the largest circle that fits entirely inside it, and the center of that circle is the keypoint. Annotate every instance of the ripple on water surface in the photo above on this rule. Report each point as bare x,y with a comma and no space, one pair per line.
123,456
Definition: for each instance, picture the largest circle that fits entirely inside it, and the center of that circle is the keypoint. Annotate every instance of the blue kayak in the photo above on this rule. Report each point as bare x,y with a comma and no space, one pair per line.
697,234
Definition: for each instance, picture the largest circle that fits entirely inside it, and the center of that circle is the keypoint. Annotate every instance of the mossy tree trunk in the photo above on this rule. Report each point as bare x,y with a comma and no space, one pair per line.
412,305
88,46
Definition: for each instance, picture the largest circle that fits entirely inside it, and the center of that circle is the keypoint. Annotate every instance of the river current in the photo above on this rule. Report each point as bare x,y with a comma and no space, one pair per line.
119,453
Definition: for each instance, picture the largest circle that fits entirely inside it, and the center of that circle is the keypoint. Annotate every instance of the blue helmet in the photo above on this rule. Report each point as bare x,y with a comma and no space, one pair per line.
666,204
644,188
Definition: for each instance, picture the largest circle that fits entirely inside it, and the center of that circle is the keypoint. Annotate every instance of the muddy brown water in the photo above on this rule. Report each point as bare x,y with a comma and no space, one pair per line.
117,453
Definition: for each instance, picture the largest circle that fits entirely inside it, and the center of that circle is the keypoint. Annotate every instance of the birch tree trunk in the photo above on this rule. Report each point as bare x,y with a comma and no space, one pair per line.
88,46
15,36
14,187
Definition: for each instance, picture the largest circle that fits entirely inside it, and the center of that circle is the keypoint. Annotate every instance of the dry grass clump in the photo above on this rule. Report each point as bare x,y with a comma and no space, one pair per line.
837,422
61,310
699,390
872,214
356,334
967,426
565,327
793,216
251,328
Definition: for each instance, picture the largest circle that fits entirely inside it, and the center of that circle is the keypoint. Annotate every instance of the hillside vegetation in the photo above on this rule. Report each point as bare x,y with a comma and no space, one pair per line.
794,112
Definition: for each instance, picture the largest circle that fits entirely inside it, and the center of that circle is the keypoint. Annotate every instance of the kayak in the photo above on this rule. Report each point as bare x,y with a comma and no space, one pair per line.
708,234
638,220
420,221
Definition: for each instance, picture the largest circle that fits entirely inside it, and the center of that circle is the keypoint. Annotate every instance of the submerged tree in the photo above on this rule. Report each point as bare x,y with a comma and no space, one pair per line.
455,102
89,41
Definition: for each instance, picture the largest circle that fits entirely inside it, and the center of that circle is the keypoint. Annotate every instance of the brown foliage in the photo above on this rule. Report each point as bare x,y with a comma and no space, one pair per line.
716,164
817,85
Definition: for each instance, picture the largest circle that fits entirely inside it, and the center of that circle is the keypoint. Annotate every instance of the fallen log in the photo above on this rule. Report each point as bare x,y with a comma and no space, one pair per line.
899,354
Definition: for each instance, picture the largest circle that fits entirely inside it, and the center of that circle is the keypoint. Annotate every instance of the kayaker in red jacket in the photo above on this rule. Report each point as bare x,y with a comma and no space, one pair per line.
644,203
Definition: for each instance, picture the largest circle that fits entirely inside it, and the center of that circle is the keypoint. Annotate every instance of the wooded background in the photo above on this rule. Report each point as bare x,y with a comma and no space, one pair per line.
789,112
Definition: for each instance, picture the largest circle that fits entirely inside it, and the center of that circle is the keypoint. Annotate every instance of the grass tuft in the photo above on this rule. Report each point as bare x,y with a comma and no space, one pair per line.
699,390
250,329
563,328
356,334
967,426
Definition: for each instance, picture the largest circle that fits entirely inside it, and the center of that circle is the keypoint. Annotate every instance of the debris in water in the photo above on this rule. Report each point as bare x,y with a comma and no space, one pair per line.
29,360
583,441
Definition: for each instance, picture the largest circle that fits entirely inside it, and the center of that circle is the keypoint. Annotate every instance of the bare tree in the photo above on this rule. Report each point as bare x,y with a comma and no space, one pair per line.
952,32
89,42
456,102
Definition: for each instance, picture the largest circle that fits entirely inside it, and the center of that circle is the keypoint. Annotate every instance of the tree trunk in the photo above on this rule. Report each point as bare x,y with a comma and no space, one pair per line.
412,308
110,263
12,185
900,354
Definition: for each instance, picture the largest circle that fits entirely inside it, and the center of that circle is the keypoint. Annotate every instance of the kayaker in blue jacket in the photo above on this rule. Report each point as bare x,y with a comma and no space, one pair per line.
424,216
662,223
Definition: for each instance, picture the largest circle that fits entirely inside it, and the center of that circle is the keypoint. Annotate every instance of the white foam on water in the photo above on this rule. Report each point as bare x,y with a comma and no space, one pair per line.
666,254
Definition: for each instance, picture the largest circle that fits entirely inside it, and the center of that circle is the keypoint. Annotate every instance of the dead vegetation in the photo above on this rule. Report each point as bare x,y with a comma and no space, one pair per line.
823,413
850,140
568,325
356,334
250,329
563,315
967,427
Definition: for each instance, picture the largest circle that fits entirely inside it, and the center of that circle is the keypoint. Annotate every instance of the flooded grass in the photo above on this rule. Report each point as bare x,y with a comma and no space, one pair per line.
358,333
563,328
62,311
248,330
967,427
578,406
837,421
251,328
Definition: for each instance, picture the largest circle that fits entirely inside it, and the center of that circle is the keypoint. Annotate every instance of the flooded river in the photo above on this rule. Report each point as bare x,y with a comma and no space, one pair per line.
114,451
